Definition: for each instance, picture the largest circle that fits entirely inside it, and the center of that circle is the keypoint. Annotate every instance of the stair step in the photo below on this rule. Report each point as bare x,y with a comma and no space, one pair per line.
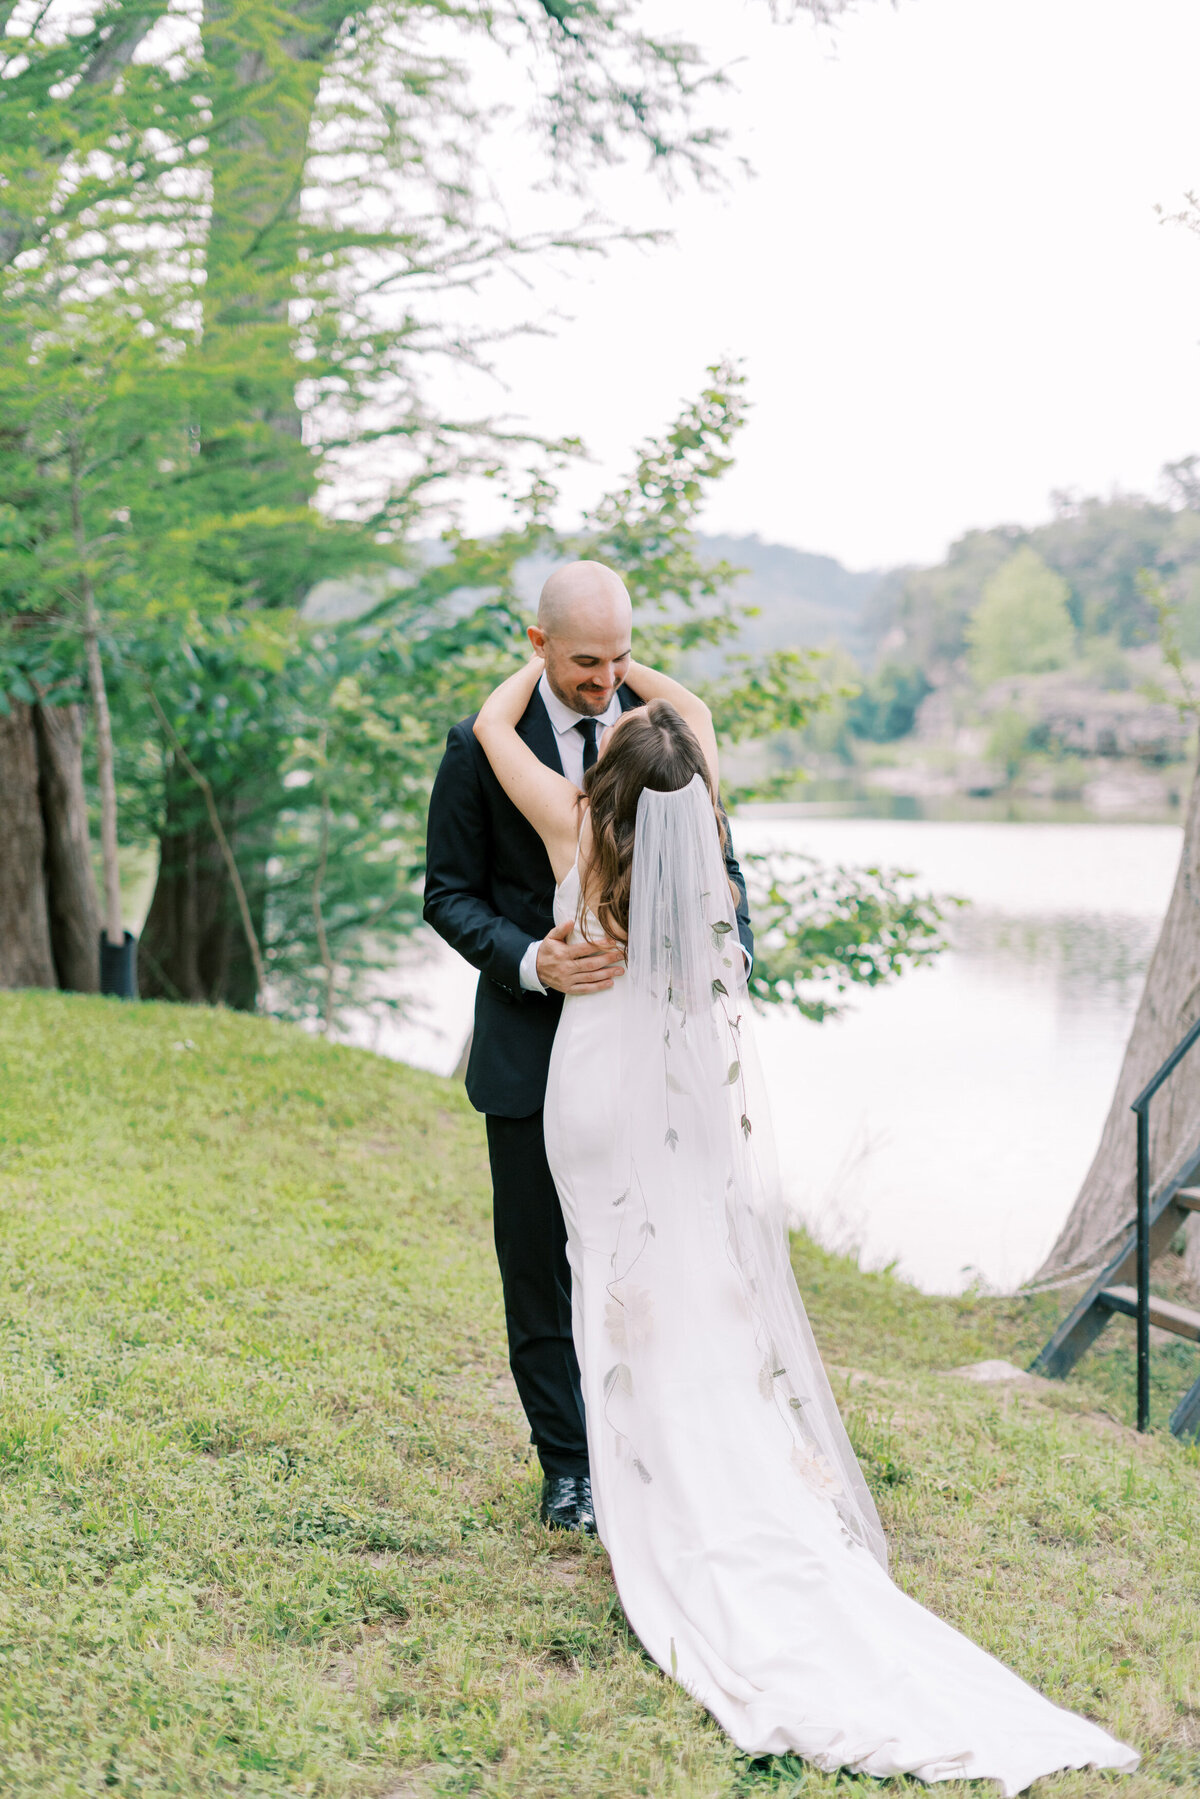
1188,1198
1167,1317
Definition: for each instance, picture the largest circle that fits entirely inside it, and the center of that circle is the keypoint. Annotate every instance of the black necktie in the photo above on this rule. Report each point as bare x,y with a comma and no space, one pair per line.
587,728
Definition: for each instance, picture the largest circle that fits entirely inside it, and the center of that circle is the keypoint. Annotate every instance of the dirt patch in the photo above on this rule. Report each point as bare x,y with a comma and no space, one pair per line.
1112,1427
997,1374
414,1786
566,1573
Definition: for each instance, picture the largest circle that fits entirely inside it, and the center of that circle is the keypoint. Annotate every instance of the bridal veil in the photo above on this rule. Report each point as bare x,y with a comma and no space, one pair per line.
699,1153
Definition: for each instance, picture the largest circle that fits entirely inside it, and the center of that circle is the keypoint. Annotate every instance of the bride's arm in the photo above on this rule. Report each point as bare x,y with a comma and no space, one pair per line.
649,684
548,800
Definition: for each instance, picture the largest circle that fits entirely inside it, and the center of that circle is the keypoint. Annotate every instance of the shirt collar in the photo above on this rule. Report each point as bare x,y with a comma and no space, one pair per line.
562,717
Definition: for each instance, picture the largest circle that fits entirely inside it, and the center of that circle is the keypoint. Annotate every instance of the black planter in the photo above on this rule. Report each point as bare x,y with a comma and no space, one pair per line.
118,967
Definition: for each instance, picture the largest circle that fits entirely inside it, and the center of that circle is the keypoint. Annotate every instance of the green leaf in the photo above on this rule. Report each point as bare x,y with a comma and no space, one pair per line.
618,1376
720,989
745,1125
735,1069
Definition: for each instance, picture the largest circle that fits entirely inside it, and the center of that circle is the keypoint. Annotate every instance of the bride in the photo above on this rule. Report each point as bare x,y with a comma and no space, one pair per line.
744,1543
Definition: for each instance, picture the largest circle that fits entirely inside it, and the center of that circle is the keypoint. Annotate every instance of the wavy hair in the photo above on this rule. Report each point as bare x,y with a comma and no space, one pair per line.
650,746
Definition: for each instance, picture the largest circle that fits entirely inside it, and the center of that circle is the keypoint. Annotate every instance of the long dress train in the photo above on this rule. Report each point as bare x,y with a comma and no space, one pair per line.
744,1561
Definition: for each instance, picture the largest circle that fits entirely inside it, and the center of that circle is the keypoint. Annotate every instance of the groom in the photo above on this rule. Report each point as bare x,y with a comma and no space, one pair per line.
489,892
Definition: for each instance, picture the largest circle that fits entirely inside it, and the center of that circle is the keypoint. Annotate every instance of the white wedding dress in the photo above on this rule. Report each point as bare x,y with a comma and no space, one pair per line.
744,1544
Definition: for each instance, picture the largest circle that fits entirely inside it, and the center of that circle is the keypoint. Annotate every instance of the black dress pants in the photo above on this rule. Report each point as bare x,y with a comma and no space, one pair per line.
531,1247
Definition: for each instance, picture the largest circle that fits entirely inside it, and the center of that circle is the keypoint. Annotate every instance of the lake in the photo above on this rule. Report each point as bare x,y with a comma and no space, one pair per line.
946,1123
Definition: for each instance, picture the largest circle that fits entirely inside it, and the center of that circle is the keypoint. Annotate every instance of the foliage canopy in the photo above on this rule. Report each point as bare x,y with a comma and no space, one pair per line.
1021,626
230,242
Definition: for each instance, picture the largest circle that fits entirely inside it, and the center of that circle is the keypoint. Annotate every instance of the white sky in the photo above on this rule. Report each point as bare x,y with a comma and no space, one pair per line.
947,280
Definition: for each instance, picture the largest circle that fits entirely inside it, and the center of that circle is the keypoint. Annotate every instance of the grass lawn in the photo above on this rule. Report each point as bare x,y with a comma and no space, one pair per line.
267,1525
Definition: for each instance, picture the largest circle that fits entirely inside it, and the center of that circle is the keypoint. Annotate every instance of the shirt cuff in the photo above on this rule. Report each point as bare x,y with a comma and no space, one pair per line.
528,969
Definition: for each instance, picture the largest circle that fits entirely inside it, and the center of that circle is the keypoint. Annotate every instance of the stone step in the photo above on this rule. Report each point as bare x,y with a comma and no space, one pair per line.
1178,1319
1188,1198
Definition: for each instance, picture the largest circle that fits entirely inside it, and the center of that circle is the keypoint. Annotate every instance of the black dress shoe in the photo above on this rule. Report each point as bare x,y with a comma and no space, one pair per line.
567,1503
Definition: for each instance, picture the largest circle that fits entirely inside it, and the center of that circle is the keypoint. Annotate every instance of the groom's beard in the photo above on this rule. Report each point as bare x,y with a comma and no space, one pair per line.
593,700
588,699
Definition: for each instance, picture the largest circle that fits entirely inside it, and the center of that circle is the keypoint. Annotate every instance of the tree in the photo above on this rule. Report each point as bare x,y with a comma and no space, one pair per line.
96,206
303,168
1022,625
928,609
885,707
1170,1001
1008,740
820,931
1168,1007
236,204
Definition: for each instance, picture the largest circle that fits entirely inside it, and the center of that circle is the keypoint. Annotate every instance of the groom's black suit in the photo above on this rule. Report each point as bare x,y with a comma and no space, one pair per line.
489,891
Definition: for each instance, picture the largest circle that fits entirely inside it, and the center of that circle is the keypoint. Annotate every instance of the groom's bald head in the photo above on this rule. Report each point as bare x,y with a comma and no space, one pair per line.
582,592
583,632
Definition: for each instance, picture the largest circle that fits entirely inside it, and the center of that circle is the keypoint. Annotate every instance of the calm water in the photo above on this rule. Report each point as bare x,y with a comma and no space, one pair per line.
947,1122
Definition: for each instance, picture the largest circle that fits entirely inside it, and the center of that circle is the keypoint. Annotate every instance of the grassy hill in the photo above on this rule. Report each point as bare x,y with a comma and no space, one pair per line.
266,1520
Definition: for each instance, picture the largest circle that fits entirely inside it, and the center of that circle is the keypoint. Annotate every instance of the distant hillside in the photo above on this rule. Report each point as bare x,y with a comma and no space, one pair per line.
804,600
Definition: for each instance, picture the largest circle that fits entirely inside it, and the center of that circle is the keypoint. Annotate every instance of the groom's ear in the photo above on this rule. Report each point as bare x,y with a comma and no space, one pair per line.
537,640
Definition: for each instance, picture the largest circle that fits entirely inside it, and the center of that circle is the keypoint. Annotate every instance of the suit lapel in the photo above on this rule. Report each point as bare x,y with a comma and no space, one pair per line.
536,730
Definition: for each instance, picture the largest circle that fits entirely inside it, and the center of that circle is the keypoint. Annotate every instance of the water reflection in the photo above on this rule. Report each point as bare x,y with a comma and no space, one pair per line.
945,1125
1093,960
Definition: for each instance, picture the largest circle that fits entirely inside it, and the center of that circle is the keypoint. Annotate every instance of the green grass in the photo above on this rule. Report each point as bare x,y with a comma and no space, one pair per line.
267,1525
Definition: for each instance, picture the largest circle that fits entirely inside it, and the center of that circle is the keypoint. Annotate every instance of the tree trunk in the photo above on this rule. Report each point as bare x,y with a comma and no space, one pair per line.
26,959
192,945
251,428
74,912
1169,1005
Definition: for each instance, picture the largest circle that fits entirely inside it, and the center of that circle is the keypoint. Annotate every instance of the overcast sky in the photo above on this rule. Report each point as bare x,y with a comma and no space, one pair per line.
947,279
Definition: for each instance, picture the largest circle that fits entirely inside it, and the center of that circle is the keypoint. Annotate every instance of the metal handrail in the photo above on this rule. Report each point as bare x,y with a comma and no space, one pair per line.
1141,1106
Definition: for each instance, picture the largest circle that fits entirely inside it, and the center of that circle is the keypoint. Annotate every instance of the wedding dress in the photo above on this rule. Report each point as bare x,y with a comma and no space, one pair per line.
744,1543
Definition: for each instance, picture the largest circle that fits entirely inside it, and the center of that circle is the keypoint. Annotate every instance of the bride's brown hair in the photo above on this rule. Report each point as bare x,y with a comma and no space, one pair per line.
651,746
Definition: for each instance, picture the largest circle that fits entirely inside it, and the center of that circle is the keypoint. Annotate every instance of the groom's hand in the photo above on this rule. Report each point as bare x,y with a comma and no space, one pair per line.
578,967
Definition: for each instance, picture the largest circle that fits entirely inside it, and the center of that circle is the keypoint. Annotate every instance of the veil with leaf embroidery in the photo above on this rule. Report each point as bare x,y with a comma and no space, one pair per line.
702,1244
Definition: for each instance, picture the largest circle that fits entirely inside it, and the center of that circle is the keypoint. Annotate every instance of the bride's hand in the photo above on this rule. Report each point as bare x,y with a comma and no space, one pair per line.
649,684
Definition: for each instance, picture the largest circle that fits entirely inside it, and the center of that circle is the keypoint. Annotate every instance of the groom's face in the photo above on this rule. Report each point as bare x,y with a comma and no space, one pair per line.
586,656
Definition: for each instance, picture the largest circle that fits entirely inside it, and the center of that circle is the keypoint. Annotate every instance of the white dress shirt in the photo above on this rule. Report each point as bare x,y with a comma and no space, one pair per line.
570,754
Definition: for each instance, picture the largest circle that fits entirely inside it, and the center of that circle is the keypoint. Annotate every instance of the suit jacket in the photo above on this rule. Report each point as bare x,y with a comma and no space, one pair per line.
489,891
